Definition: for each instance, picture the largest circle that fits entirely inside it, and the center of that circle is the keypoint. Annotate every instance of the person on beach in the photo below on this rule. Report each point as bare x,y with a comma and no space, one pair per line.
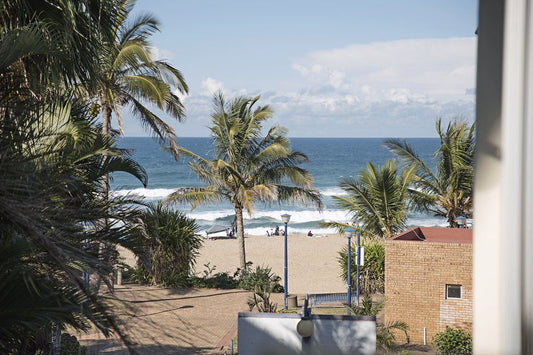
309,234
276,232
268,234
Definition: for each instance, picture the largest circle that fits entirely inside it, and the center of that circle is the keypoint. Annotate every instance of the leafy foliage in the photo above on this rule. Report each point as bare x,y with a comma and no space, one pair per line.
71,346
453,341
128,75
248,165
52,163
262,282
385,333
367,307
53,160
376,200
220,280
55,42
372,274
260,278
166,244
447,192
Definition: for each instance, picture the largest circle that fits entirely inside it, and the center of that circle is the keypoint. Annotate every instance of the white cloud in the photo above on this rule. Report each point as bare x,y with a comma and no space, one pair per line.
160,54
395,89
210,86
418,68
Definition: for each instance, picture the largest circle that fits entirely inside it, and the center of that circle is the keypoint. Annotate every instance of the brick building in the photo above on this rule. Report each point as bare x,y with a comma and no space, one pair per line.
428,280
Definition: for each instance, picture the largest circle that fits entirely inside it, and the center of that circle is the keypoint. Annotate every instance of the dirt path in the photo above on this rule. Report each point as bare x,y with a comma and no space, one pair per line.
170,321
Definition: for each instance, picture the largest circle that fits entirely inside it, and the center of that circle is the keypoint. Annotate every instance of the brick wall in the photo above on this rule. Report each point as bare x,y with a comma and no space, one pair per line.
416,274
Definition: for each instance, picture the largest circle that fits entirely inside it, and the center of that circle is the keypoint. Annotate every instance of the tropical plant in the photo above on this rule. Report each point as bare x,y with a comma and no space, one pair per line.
372,273
262,282
220,280
53,158
386,336
71,346
52,162
248,165
128,75
385,333
52,43
262,277
167,245
446,192
453,341
376,200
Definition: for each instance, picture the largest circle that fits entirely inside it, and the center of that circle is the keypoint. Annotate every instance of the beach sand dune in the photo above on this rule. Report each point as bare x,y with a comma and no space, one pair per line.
313,265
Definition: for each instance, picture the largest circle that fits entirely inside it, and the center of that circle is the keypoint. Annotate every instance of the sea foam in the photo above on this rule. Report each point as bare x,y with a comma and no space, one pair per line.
333,191
149,194
159,194
304,216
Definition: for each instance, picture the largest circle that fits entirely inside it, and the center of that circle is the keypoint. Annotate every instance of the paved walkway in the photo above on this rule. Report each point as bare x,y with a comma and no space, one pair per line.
172,321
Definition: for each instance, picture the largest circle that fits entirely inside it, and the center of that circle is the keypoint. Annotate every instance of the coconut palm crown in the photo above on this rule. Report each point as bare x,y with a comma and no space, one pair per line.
130,76
446,192
248,165
376,200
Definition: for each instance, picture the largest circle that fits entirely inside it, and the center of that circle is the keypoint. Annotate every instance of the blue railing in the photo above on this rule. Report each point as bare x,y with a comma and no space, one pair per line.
317,298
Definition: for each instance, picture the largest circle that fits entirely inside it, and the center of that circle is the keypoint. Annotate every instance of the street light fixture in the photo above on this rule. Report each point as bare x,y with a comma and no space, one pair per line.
349,233
285,218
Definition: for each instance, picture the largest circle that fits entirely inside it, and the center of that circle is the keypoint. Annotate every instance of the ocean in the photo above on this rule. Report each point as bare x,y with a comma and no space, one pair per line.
330,160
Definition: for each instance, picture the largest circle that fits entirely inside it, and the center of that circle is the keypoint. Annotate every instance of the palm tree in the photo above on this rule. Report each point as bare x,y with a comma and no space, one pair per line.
129,75
55,42
446,192
166,245
385,333
53,158
248,165
376,200
52,161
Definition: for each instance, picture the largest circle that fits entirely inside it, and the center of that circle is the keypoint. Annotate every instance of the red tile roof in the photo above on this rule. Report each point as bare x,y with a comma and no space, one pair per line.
436,235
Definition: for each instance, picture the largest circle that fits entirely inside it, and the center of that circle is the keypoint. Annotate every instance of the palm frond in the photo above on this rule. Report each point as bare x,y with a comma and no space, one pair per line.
194,196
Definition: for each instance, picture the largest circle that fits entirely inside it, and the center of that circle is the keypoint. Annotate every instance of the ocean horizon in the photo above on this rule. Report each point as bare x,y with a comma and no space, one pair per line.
331,159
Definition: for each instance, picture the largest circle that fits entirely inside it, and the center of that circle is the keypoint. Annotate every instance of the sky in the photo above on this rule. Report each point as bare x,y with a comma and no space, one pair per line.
327,68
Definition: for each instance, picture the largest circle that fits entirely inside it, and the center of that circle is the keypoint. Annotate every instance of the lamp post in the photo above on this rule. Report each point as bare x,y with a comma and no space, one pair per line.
285,218
461,221
349,233
358,256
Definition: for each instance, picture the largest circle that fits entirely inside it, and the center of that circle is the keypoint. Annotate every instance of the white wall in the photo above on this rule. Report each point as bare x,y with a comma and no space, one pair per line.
503,199
271,333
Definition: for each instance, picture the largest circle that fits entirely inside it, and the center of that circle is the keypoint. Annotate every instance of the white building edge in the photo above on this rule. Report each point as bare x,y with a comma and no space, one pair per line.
503,201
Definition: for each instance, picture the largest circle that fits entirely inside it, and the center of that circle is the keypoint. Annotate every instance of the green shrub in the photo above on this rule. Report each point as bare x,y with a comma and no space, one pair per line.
209,279
385,333
372,274
166,246
261,278
262,281
71,346
453,341
368,307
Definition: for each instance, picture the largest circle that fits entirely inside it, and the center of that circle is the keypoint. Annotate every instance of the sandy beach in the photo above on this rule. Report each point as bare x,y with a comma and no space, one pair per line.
313,266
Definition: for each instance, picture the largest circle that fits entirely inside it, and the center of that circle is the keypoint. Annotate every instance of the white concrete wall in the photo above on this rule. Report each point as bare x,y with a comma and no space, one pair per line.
271,333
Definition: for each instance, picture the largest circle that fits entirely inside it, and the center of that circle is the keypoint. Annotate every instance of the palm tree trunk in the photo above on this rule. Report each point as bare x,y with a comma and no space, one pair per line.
106,131
240,238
